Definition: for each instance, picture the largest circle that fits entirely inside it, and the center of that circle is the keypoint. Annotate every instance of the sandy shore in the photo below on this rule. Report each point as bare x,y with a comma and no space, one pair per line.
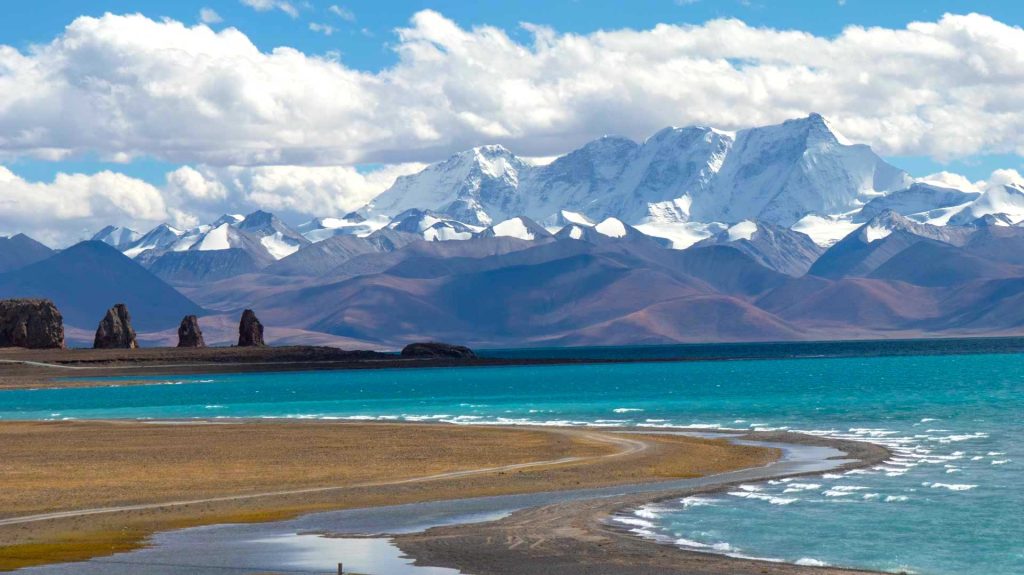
73,490
576,538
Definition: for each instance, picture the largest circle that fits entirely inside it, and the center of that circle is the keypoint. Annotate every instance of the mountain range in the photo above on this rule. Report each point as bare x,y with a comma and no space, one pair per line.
695,234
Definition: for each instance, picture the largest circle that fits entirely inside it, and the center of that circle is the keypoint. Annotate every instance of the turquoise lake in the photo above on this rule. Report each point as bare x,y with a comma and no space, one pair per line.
949,502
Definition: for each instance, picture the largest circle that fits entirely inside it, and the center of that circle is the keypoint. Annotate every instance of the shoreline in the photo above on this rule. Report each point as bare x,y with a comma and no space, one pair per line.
414,463
42,369
578,538
59,369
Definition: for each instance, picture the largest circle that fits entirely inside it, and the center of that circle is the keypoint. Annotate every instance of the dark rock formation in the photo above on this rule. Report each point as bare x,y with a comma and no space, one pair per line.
250,330
32,323
189,334
115,330
437,350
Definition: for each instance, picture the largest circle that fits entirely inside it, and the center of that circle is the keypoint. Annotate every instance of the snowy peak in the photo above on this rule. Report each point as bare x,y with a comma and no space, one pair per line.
231,219
476,186
221,237
159,238
774,247
744,230
432,226
520,227
672,170
279,239
777,174
607,230
817,131
921,202
260,233
1004,196
890,222
612,228
496,162
319,229
116,236
780,174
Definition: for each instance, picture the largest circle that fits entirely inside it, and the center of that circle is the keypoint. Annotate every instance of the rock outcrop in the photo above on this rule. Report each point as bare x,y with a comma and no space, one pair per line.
250,330
189,334
31,323
437,350
115,330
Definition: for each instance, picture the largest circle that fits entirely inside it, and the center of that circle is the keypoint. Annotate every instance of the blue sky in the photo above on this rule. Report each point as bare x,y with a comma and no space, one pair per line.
364,42
968,121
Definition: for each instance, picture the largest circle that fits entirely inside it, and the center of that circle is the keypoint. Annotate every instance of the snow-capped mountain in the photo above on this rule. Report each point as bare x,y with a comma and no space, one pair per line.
158,239
780,174
520,227
878,240
278,239
607,229
262,235
353,224
781,194
477,187
776,174
1006,198
774,247
116,236
923,202
433,226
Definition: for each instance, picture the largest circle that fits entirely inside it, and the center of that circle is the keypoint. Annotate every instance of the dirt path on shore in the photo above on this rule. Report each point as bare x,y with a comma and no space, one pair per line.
626,447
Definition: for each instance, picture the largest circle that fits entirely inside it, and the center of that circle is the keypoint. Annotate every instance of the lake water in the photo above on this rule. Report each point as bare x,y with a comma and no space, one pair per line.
949,502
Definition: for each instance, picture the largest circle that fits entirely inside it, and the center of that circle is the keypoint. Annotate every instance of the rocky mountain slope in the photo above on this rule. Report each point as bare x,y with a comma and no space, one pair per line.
87,278
19,251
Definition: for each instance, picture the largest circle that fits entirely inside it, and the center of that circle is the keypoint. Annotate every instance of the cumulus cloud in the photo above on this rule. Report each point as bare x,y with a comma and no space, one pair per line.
74,206
124,86
1002,178
952,180
294,192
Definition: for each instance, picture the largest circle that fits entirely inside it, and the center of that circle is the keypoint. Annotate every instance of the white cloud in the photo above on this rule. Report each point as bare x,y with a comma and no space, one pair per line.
125,86
74,206
952,180
1001,178
209,16
342,12
324,29
292,191
267,5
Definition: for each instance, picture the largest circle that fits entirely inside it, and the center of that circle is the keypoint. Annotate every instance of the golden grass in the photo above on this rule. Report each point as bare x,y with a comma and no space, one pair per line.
55,466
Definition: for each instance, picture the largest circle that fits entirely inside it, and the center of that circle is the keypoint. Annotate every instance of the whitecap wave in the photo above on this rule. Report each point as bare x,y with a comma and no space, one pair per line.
953,486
